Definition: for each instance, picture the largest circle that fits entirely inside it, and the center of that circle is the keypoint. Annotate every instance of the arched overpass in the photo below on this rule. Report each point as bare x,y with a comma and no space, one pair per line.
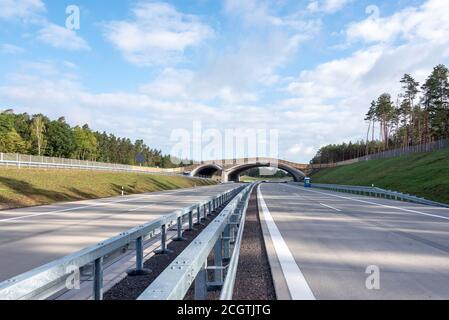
229,170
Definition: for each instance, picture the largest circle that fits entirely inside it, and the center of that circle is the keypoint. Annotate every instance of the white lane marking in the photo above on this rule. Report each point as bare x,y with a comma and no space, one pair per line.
85,207
68,209
330,207
297,284
381,205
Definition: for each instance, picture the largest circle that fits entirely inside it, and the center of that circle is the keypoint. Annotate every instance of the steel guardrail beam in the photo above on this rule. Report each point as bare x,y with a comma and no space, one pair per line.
228,285
174,282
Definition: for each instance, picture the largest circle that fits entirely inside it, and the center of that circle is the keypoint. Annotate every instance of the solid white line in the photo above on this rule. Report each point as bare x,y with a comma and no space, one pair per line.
297,284
87,206
330,207
67,210
381,205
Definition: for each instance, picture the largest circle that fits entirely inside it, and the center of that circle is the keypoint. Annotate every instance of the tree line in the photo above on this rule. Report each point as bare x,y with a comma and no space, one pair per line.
419,115
38,135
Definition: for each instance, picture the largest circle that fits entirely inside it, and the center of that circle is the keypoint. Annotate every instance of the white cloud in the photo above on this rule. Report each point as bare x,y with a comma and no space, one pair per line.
20,9
69,64
170,84
266,41
299,149
61,37
334,96
425,23
327,6
336,78
7,48
257,14
158,33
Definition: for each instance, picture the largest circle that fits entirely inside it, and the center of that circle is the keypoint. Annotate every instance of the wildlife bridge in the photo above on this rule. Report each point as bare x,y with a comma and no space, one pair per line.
231,169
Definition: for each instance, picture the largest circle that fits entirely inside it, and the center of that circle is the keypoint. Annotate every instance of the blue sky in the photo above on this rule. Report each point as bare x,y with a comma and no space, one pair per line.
142,69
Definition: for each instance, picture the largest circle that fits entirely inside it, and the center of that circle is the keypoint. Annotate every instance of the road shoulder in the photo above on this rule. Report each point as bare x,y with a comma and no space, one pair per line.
280,285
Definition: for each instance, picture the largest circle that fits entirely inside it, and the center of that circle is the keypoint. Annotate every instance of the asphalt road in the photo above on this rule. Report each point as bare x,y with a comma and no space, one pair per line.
32,237
334,237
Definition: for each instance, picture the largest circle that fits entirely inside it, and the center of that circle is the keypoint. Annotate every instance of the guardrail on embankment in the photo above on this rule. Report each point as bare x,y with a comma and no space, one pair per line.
30,161
191,266
379,193
52,278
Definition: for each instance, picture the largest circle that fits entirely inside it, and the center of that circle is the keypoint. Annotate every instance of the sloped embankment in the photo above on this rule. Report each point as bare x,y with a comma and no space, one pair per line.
423,174
33,187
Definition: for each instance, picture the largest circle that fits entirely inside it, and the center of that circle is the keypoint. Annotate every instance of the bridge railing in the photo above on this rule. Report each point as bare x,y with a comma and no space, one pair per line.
52,278
191,266
379,193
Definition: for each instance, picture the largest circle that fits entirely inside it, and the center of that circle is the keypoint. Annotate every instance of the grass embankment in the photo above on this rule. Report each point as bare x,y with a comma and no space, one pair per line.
32,187
423,174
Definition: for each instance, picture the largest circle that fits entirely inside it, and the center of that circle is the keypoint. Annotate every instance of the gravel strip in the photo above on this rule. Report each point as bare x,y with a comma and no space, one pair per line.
130,288
254,280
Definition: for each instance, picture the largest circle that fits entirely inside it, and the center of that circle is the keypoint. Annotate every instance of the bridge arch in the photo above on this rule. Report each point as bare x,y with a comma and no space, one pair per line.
232,174
207,170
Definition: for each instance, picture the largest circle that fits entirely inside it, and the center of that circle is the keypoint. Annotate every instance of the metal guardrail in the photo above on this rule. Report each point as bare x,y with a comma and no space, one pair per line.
191,266
50,279
227,290
379,193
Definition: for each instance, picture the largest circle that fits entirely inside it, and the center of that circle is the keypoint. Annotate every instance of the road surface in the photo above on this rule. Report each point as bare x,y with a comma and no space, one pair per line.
34,236
327,240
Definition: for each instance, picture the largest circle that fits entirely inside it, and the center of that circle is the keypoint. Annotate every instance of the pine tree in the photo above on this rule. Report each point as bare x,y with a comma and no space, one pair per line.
410,89
436,102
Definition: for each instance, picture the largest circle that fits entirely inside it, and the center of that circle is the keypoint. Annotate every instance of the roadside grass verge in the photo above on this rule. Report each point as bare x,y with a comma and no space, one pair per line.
33,187
422,174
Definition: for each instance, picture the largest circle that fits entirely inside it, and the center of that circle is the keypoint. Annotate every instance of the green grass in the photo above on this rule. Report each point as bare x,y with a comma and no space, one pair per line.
248,179
32,187
423,174
253,179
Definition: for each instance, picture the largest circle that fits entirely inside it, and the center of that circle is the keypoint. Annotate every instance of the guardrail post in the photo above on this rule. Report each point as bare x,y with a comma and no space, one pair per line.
218,263
204,212
226,242
139,270
179,236
98,279
163,249
201,284
198,216
190,221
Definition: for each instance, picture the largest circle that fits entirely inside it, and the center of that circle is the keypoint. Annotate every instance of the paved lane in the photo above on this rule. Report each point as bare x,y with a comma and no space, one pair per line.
333,238
31,237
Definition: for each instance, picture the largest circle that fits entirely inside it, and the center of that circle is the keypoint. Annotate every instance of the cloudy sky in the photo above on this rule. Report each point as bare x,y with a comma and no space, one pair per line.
141,69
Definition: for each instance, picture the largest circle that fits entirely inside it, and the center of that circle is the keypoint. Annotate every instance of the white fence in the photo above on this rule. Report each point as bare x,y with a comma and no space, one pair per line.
30,161
427,147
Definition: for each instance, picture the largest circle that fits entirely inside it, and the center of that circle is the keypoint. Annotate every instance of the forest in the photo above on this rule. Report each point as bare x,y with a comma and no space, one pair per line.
38,135
419,115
